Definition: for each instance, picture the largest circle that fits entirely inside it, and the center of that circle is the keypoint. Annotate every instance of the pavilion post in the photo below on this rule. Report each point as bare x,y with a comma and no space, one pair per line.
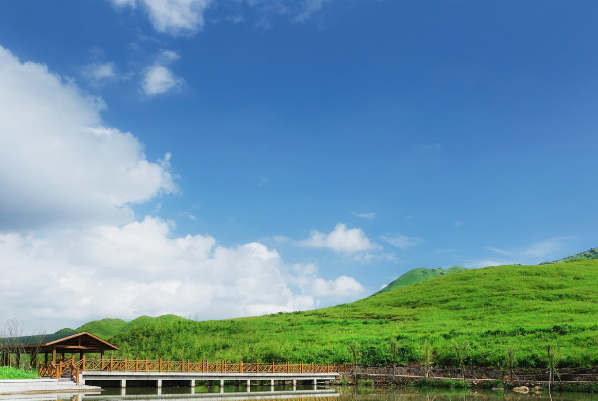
83,363
54,356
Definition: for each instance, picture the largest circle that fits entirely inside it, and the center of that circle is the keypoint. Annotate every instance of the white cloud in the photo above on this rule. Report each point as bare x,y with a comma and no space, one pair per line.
186,17
59,163
369,216
310,7
402,242
99,73
175,17
63,169
534,253
139,268
158,78
341,239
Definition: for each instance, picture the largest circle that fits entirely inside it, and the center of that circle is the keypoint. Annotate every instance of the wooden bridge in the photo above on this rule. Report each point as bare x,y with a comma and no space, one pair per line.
186,372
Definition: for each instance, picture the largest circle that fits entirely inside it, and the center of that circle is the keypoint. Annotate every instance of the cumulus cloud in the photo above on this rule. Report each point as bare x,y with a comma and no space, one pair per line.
175,17
402,242
59,163
158,78
140,268
62,168
341,239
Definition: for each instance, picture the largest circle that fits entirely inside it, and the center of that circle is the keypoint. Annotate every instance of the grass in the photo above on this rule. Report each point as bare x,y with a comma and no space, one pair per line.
474,317
10,373
448,383
418,275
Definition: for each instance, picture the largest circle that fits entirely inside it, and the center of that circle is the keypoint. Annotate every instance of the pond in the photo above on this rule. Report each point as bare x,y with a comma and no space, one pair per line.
321,393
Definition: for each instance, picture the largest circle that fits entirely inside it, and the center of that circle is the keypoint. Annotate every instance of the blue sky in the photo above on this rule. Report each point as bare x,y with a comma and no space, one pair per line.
225,158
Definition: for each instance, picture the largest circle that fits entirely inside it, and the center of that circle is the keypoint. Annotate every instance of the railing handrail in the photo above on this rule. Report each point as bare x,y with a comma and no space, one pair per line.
185,365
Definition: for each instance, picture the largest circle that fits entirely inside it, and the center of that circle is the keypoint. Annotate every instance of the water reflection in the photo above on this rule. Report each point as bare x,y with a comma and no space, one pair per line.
306,393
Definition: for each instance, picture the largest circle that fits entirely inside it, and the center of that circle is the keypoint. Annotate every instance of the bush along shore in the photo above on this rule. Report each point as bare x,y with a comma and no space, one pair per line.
10,373
566,380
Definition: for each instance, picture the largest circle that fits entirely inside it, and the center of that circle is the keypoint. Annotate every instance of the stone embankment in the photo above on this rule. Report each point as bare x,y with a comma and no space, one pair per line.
40,386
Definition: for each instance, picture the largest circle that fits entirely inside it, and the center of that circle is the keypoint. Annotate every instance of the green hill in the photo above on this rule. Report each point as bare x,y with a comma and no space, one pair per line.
483,312
418,275
591,254
107,328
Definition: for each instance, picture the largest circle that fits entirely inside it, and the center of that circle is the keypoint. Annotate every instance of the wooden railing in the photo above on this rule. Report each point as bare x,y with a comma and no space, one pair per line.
56,370
185,366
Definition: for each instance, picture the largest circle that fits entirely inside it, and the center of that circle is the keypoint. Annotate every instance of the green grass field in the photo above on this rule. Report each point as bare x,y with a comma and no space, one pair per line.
480,313
9,373
418,275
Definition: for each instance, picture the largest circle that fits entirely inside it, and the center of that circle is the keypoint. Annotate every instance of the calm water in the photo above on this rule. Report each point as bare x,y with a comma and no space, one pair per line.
307,393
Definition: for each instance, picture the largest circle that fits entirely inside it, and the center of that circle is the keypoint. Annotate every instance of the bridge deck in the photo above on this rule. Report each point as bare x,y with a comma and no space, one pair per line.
158,370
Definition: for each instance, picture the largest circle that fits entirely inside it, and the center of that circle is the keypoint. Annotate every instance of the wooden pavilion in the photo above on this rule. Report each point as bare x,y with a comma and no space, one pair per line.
61,343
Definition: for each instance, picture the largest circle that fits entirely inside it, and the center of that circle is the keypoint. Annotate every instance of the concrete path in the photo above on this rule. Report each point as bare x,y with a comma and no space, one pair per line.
40,386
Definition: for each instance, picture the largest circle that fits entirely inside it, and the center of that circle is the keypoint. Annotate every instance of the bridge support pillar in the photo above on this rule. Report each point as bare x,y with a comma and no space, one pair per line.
159,383
221,383
123,391
294,382
123,384
272,383
192,384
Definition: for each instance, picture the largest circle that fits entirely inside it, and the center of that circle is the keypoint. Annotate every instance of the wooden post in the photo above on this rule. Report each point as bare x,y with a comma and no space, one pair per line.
257,366
136,364
125,364
222,367
83,363
301,367
183,366
111,363
168,365
54,356
188,365
240,366
345,367
287,368
160,366
146,364
202,366
273,367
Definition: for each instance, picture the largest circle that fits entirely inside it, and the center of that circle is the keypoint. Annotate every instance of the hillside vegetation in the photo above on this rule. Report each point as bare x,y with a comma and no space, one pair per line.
591,254
418,275
107,328
478,313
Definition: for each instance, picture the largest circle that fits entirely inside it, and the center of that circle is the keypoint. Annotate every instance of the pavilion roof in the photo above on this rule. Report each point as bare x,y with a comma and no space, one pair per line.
62,342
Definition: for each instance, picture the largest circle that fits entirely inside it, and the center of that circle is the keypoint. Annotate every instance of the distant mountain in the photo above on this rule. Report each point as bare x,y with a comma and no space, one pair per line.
591,254
418,275
107,328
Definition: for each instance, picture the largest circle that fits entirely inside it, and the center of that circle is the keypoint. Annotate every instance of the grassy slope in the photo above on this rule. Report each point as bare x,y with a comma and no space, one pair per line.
418,275
485,310
107,328
591,254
